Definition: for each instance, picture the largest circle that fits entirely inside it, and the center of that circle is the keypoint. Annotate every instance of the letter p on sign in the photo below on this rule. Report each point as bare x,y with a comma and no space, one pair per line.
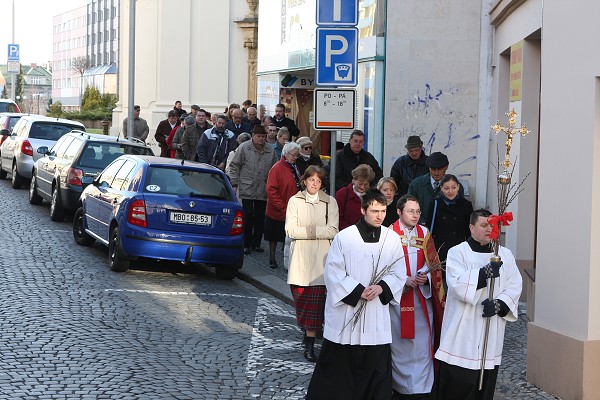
330,51
13,52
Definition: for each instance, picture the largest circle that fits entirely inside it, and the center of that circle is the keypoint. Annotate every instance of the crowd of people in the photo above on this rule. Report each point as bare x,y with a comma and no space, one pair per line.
394,324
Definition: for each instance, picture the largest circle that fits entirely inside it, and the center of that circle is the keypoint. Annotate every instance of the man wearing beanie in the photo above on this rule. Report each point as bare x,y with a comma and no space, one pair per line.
306,156
409,166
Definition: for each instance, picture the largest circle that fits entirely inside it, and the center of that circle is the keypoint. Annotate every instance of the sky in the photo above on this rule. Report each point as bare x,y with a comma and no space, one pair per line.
33,27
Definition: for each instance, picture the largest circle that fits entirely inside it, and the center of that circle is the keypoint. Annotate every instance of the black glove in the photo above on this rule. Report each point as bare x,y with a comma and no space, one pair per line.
492,270
490,308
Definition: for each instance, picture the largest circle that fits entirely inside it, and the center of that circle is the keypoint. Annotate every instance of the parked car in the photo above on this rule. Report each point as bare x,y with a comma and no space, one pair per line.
160,208
73,162
9,106
8,121
19,150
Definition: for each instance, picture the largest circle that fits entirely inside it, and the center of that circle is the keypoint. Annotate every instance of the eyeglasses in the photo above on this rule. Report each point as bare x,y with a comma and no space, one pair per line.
306,147
413,212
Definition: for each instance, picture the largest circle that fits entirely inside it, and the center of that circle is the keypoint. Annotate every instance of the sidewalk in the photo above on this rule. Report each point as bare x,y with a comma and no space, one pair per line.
512,382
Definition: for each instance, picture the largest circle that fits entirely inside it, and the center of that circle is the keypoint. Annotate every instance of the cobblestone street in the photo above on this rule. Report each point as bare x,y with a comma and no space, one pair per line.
73,329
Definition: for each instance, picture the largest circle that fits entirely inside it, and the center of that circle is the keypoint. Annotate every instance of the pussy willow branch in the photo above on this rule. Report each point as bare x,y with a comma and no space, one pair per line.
375,277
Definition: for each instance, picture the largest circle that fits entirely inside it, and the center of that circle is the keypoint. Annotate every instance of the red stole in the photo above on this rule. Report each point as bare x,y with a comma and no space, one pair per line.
407,302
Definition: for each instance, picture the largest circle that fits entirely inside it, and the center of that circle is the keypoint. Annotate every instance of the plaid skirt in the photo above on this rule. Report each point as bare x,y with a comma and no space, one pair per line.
309,302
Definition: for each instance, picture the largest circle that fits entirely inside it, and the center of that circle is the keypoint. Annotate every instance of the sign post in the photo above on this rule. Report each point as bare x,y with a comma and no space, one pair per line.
14,65
336,64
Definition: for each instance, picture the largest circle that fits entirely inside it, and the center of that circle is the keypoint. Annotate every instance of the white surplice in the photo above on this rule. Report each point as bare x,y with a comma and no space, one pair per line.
351,261
463,328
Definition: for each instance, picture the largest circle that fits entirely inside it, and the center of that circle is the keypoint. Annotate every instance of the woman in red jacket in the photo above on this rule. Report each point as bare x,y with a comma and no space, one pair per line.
282,183
348,198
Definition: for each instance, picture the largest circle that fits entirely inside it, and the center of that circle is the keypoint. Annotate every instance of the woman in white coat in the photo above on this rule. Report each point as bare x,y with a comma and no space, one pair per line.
311,223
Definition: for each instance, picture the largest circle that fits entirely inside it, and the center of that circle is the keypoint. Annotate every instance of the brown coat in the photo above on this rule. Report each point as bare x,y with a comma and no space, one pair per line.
162,133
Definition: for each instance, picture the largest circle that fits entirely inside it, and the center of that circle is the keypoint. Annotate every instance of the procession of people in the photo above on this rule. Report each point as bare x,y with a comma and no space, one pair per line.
406,285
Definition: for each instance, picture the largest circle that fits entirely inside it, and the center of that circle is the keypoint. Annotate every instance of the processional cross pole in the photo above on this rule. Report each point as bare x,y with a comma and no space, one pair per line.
504,189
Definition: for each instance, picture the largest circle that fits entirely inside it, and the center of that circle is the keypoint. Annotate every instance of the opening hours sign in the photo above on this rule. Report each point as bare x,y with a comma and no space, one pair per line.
334,109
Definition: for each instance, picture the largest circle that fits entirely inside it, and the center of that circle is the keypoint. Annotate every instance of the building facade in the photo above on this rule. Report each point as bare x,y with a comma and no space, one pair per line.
198,53
547,67
102,49
69,48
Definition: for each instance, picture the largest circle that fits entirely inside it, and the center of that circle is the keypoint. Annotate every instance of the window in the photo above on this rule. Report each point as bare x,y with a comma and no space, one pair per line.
109,173
121,181
184,181
59,148
50,131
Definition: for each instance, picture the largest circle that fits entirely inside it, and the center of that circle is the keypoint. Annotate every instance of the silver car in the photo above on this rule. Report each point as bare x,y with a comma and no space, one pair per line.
19,150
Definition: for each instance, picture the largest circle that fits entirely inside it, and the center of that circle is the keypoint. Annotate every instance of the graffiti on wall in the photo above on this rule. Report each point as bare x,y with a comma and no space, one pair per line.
445,118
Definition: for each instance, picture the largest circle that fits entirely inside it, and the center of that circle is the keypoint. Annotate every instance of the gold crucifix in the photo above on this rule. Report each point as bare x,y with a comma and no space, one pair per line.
510,130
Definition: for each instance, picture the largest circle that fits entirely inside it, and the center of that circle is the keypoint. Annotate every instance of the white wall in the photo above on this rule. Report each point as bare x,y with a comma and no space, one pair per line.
191,52
568,255
432,81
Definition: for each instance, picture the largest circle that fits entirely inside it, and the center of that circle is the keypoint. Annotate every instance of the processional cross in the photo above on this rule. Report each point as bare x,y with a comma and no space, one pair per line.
504,199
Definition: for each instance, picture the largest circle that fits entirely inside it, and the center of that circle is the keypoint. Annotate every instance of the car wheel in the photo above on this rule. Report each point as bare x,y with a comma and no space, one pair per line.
79,234
228,271
17,180
2,172
34,197
115,260
56,211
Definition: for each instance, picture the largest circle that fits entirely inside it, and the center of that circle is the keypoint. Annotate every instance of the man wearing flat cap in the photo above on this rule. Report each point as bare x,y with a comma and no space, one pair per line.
195,108
409,166
427,187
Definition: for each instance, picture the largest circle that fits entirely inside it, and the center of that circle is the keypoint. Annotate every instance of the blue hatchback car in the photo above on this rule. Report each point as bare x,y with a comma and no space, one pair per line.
160,208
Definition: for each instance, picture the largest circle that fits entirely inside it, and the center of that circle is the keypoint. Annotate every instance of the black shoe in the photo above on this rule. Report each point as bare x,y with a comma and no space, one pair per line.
258,249
273,264
309,350
247,250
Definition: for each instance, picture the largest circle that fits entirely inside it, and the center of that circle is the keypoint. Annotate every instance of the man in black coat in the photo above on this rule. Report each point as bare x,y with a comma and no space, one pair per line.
281,120
410,165
237,125
351,157
251,117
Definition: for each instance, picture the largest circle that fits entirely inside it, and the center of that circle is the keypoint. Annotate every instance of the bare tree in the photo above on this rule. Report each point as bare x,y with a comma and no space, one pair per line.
80,65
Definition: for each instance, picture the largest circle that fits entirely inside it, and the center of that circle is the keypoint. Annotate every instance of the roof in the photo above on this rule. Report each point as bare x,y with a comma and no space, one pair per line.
105,138
50,119
169,162
101,70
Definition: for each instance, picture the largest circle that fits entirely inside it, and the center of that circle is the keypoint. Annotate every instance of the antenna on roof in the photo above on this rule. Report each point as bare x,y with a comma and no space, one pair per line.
182,160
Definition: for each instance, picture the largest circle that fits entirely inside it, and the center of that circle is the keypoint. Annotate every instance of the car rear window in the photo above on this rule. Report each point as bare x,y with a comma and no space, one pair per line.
99,155
12,121
187,182
8,107
50,130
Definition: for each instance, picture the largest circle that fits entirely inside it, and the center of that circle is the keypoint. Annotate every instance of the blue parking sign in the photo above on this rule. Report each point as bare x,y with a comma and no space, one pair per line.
336,57
13,52
337,12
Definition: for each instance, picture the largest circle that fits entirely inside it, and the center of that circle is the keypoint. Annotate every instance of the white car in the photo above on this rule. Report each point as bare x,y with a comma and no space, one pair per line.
19,150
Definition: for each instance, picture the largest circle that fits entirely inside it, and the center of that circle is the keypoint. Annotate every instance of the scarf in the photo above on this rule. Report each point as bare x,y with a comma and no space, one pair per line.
296,174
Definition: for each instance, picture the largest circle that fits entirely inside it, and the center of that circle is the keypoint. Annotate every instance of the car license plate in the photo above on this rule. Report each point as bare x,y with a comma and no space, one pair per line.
189,218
